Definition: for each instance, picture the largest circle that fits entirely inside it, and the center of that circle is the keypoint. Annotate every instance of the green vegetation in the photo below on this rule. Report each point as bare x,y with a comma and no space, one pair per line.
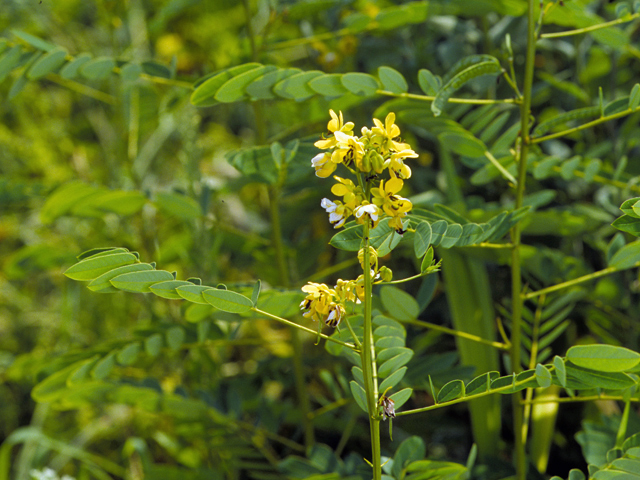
183,146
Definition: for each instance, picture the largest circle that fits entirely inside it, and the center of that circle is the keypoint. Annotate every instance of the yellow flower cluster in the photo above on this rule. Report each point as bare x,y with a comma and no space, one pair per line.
327,305
367,156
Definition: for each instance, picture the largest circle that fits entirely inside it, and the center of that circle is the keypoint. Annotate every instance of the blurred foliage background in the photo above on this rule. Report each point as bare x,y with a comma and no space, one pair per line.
199,216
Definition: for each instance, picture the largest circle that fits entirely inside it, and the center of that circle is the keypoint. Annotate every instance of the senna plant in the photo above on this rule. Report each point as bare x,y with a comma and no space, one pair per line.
510,143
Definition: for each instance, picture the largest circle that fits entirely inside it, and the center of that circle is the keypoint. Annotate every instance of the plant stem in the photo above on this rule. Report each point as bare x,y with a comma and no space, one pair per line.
575,281
368,356
300,327
520,459
585,126
458,333
296,342
592,28
431,98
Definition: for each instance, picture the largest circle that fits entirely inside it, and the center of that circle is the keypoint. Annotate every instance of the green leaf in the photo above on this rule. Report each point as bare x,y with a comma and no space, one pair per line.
427,261
627,256
178,205
228,301
631,207
120,202
296,87
168,289
193,293
560,370
102,284
411,450
491,67
481,384
101,252
634,98
579,377
233,90
71,69
395,363
392,80
103,367
156,69
348,239
603,358
628,224
48,63
452,390
51,387
360,83
98,68
359,395
94,267
401,397
262,87
543,376
139,282
422,238
21,81
329,85
358,375
429,83
153,344
175,337
255,294
8,61
205,91
128,354
393,379
438,229
384,238
32,40
130,72
463,143
451,235
399,303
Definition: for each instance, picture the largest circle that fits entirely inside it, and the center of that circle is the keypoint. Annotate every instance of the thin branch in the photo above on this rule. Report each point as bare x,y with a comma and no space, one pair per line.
592,28
300,327
575,281
457,333
584,126
431,98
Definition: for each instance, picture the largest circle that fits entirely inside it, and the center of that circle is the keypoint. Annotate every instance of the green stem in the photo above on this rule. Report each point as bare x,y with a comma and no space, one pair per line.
458,333
585,126
308,330
465,399
575,281
431,98
296,342
368,356
520,459
592,28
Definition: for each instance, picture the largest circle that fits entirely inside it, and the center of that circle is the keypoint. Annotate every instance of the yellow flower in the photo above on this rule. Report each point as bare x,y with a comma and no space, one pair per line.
345,291
352,194
348,150
393,205
318,302
338,212
336,124
397,166
384,134
367,211
336,314
323,165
